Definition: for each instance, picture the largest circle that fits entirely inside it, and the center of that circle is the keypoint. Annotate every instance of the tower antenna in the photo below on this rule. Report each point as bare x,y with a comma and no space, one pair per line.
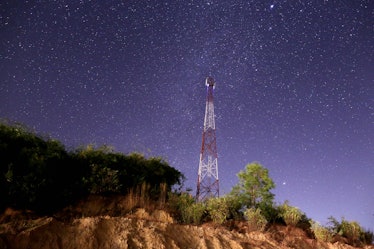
207,180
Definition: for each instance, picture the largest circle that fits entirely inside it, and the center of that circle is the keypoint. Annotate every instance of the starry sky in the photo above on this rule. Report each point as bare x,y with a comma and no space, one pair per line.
294,87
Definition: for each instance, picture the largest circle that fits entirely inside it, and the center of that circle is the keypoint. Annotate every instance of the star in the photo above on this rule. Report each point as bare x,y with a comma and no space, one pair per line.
293,87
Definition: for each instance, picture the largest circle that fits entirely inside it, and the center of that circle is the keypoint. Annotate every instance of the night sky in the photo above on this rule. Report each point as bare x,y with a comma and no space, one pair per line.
294,87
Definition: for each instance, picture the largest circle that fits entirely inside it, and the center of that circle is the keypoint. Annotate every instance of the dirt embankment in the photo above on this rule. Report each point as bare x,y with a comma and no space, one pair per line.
143,230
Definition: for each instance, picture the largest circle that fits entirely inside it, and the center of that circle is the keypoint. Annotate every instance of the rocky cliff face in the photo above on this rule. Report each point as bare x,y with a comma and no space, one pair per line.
143,230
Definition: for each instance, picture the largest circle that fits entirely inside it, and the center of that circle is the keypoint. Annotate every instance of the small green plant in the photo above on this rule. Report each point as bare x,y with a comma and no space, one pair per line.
320,232
233,207
271,212
218,209
351,230
367,237
193,213
186,209
179,201
256,221
290,215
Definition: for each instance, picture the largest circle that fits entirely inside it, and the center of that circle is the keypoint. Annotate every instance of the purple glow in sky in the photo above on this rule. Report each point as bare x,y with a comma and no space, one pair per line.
295,87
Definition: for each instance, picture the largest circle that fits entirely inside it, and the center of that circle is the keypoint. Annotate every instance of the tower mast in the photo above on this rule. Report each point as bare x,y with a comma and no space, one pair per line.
207,181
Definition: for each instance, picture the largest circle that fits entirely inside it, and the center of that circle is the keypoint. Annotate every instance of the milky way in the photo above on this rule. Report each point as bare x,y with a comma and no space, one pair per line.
294,87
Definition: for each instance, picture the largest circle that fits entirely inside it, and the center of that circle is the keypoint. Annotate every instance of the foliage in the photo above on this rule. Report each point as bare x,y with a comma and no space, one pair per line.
194,213
367,237
351,230
234,207
256,221
102,180
33,169
333,225
271,212
254,187
290,215
39,174
321,233
185,207
218,209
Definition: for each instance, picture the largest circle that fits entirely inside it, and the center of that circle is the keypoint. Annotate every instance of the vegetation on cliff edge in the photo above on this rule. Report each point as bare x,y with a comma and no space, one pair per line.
40,175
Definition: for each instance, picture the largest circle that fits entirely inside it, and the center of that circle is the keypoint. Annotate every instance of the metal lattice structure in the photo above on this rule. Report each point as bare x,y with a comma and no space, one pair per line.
207,181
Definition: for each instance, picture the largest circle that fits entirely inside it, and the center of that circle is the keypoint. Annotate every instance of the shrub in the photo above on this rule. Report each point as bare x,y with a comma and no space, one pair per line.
321,233
234,207
179,200
271,213
290,215
186,209
102,180
218,209
193,213
38,174
351,230
367,237
256,221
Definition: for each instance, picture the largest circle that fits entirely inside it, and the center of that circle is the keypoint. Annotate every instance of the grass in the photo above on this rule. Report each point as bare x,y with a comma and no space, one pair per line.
290,215
321,233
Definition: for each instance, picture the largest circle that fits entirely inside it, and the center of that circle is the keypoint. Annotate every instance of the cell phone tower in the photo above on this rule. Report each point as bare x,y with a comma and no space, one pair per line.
207,181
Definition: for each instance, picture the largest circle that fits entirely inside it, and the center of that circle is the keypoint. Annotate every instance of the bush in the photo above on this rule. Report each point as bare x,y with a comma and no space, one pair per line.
271,213
38,174
351,230
218,209
321,233
234,207
367,237
178,200
290,215
256,221
186,209
194,213
35,172
102,180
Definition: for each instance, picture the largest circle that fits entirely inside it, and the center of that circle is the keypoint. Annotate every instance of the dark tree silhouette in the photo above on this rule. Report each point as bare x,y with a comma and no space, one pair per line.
39,174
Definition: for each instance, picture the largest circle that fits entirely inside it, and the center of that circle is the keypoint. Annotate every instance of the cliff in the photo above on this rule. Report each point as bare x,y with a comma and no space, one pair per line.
143,230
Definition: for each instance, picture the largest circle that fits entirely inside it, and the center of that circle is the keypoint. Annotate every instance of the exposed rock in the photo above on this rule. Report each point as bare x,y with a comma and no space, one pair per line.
148,231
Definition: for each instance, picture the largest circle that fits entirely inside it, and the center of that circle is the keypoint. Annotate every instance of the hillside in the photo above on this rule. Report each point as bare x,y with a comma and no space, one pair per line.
98,227
98,198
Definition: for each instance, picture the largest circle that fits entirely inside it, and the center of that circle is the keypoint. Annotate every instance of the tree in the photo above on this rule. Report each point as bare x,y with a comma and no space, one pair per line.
253,189
37,173
33,170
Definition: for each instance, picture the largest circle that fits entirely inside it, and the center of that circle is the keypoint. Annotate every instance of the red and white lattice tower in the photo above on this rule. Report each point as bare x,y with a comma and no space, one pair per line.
207,181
